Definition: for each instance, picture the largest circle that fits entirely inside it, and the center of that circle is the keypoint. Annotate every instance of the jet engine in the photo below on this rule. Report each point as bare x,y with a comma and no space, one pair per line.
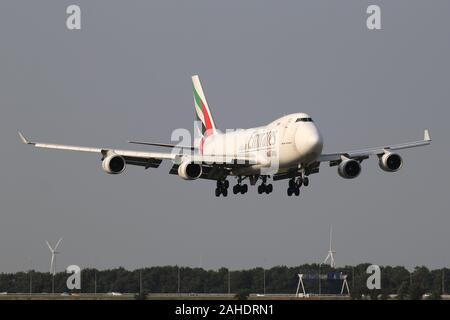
113,164
189,170
390,162
349,169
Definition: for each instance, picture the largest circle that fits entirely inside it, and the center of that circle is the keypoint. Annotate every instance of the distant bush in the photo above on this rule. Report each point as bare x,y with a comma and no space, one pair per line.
141,296
242,295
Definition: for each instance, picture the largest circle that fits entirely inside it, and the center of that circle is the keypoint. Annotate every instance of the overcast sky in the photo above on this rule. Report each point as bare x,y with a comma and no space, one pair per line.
126,75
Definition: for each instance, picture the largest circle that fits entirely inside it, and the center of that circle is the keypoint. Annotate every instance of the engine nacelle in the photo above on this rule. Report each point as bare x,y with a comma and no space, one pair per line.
113,164
390,162
349,169
189,170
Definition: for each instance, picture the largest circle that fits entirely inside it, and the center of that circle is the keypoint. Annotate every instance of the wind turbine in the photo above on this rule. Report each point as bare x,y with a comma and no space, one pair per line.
331,252
54,252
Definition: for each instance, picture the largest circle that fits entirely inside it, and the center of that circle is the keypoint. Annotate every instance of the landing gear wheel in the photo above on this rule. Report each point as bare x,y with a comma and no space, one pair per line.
217,192
222,184
297,191
289,192
299,182
244,188
292,183
269,188
225,192
305,181
237,188
262,188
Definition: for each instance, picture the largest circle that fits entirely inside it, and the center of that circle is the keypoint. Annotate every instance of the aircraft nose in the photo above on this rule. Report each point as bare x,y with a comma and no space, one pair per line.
308,142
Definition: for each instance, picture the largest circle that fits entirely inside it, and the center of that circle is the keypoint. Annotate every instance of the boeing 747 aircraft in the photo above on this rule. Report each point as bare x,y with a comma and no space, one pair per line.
288,148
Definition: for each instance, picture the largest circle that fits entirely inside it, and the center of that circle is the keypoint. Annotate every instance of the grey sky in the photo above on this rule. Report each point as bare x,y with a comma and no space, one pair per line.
126,75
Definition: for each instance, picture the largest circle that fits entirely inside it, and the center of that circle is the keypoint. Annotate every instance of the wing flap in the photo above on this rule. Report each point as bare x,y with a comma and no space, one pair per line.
164,145
143,162
223,159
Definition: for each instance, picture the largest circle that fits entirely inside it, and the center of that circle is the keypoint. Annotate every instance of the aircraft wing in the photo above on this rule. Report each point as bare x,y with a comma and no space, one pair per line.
139,158
365,153
153,159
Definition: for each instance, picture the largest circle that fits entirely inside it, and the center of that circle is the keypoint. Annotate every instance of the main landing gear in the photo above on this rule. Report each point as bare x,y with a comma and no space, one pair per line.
222,188
267,188
240,188
263,187
294,185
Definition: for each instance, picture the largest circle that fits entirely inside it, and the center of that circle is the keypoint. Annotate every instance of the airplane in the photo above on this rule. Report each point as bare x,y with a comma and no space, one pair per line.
287,148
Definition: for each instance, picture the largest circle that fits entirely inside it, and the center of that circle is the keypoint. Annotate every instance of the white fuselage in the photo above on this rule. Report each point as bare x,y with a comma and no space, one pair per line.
288,142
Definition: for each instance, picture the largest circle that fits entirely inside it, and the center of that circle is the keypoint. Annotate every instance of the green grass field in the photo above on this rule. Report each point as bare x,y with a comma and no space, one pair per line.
174,296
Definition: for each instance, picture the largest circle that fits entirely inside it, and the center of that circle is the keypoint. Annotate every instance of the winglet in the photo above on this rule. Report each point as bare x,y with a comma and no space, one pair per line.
426,135
22,137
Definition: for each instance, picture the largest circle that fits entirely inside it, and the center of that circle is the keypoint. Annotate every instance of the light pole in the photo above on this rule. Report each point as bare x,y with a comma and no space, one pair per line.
264,270
140,282
320,284
31,277
353,278
229,276
178,279
31,282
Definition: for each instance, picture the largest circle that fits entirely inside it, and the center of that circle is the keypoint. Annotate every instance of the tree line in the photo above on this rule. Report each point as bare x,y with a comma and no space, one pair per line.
279,279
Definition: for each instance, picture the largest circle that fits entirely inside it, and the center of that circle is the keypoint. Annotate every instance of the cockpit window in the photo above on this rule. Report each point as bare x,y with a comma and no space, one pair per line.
304,120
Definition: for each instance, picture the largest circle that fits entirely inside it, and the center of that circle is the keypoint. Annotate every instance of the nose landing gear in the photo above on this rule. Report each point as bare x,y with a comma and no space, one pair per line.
294,185
305,181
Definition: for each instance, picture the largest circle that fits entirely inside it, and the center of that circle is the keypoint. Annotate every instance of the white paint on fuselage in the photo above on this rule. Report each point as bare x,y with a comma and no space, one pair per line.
284,140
